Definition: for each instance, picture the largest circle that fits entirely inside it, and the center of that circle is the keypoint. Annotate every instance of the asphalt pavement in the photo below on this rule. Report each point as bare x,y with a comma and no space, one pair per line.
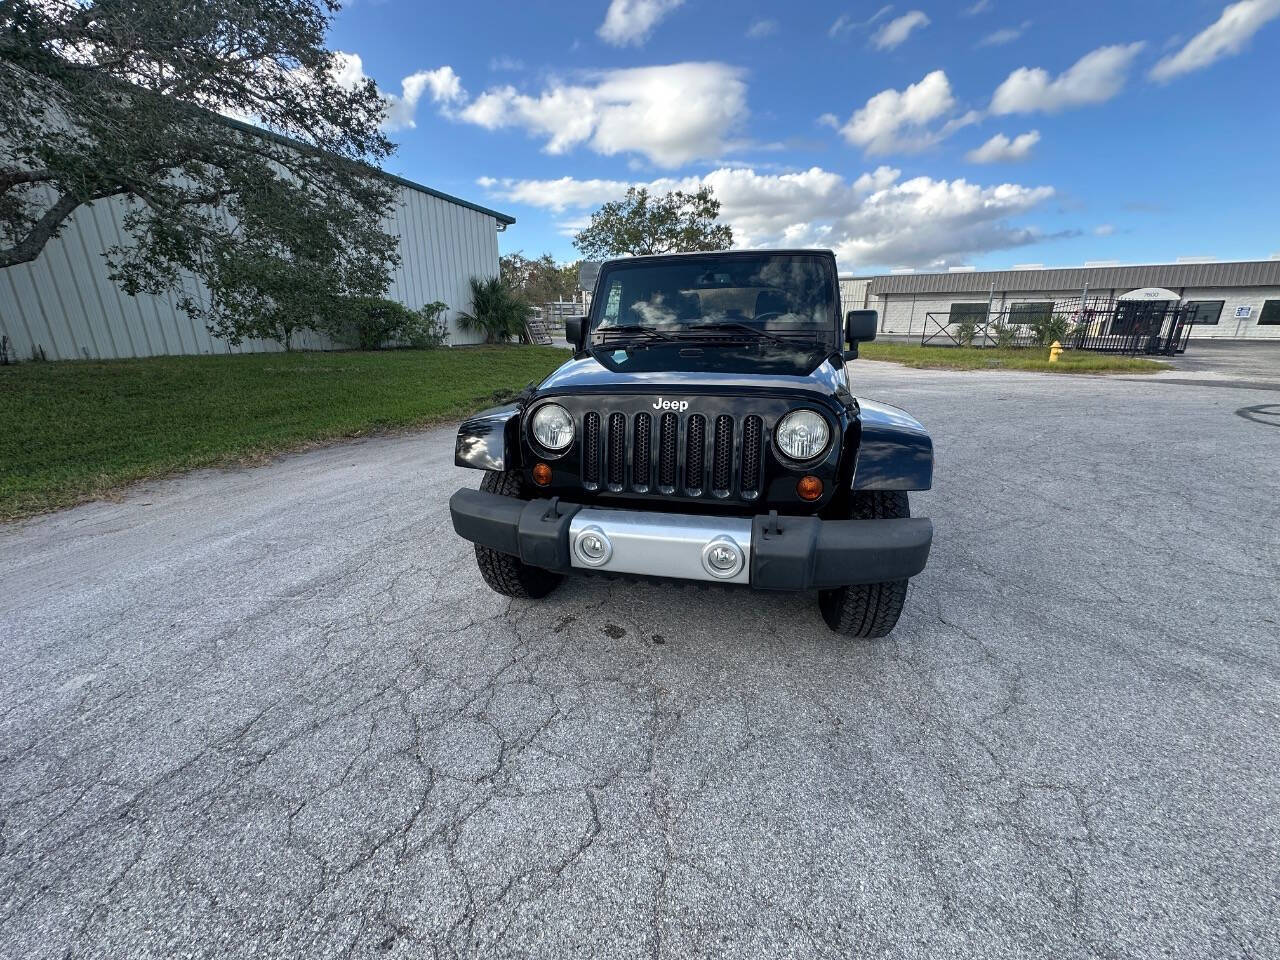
275,712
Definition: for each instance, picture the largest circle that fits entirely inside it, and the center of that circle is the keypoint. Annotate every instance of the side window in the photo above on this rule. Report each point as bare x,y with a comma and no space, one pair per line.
1270,314
1205,312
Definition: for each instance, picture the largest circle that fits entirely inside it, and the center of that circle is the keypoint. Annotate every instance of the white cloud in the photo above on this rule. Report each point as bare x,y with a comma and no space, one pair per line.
1000,149
1094,78
506,63
348,71
878,219
443,83
896,31
1226,37
845,24
629,22
1104,230
904,121
762,28
998,38
670,115
982,6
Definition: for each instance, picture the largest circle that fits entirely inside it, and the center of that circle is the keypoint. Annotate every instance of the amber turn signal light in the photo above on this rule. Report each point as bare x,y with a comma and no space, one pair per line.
809,487
541,474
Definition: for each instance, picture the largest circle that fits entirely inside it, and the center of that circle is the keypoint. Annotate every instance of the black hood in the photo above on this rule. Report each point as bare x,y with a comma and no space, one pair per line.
603,373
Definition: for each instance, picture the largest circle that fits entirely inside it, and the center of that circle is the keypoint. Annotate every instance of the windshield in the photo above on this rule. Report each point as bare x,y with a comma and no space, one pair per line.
779,299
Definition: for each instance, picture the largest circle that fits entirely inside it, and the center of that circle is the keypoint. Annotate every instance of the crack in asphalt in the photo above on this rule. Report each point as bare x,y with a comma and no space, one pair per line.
271,721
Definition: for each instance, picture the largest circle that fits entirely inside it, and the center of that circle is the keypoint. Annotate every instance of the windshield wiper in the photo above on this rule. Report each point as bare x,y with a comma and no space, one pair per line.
619,335
754,333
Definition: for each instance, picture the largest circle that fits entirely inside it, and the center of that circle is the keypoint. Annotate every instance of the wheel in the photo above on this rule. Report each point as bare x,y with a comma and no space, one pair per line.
868,609
504,573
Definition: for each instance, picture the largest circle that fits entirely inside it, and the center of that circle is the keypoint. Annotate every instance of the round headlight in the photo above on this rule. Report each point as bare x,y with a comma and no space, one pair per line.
553,427
802,435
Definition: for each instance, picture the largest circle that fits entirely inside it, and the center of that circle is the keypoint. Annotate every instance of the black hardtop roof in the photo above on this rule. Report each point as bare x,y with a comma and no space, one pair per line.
720,255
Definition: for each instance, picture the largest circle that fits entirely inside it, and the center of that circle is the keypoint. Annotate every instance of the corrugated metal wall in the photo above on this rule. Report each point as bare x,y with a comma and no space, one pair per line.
65,304
1245,273
907,314
853,294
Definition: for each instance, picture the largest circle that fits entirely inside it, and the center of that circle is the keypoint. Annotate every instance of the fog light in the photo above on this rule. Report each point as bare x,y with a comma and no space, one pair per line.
722,558
592,547
541,474
809,487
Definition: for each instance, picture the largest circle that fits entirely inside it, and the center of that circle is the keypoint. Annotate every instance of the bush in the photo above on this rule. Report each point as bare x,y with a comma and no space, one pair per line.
372,323
497,310
426,328
1047,329
1005,335
966,330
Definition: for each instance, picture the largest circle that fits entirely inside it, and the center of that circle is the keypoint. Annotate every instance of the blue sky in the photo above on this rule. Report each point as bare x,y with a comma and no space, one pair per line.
923,135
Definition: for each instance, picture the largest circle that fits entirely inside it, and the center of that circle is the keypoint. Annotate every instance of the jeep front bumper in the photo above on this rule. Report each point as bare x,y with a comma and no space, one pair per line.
766,552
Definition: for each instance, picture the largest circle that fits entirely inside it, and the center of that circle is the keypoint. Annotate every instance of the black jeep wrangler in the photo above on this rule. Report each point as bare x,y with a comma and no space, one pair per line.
704,430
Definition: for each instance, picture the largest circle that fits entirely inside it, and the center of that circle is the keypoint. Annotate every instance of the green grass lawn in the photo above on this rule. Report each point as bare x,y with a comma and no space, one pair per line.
75,430
1024,358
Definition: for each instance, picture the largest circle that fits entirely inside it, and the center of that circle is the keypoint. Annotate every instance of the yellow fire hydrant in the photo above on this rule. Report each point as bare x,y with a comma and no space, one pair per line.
1055,351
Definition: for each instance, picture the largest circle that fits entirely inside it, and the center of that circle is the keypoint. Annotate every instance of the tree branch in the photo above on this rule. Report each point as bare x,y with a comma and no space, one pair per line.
41,232
18,178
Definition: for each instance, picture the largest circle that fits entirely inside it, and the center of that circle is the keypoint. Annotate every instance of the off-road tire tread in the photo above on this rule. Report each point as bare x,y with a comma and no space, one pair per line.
880,505
504,573
869,610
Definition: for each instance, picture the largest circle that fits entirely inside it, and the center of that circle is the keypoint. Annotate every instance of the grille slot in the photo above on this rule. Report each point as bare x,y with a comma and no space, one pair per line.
695,453
591,448
722,457
641,465
617,450
751,433
669,427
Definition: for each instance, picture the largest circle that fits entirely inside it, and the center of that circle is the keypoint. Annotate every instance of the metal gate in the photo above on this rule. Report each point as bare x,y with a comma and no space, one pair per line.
1133,327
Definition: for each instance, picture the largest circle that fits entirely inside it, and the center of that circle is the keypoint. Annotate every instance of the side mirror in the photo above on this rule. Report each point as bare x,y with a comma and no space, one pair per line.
859,327
574,329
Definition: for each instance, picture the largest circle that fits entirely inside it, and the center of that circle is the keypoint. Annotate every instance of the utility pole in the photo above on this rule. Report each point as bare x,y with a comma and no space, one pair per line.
986,326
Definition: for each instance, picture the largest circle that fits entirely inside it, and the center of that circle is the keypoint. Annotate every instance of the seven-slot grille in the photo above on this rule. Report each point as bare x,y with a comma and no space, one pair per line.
680,455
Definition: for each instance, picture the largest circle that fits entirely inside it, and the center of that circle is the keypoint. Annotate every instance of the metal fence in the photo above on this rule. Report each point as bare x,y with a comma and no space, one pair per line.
1158,328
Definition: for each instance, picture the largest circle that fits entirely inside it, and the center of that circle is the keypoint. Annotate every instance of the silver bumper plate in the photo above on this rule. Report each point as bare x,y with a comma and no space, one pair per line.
716,549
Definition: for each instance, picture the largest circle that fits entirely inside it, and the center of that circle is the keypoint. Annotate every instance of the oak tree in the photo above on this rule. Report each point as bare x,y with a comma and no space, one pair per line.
639,224
139,100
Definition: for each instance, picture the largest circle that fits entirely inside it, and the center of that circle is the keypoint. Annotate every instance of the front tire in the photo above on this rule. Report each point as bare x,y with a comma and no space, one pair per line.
869,610
504,573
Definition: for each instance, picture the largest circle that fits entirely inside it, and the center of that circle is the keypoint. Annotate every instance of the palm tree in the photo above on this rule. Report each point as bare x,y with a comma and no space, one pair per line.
497,309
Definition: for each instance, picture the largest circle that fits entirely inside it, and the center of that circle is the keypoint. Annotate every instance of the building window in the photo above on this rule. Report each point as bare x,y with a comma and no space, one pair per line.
968,313
1270,314
1204,312
1038,312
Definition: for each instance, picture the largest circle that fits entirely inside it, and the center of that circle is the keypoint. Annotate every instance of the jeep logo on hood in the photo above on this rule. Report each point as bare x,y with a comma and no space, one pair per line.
681,405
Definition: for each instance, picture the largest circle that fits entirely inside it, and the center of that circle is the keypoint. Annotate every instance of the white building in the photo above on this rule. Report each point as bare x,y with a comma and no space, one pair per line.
63,305
1231,300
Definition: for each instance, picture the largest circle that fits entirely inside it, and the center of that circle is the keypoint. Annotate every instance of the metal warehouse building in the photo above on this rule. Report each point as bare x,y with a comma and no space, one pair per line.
64,306
1234,300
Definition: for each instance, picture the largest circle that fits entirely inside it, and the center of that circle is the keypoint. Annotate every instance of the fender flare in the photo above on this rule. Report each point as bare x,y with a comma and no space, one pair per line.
895,452
490,440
